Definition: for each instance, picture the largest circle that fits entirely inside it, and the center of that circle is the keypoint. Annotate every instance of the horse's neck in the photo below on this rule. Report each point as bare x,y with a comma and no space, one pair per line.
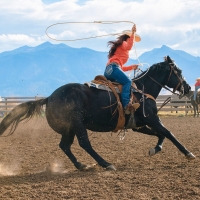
150,86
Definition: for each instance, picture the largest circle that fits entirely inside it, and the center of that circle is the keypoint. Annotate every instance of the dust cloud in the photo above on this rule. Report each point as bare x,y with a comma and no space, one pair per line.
9,170
57,167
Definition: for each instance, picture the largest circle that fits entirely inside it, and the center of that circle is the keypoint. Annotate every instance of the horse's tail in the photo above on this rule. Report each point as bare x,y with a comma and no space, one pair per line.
21,112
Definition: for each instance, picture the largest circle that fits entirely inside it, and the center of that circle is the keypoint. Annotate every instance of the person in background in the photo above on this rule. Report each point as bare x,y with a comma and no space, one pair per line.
197,86
118,55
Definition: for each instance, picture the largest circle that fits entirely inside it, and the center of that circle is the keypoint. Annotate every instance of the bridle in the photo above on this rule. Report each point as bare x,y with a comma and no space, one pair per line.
172,69
180,79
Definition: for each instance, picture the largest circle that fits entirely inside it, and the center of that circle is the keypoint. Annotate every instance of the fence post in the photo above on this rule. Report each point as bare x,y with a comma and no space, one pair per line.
6,106
186,107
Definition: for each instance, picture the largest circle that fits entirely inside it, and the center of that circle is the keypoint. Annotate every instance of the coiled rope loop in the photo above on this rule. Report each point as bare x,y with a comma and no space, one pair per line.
94,22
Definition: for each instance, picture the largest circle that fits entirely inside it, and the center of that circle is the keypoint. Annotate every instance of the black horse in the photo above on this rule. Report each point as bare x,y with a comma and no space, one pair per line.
74,108
194,103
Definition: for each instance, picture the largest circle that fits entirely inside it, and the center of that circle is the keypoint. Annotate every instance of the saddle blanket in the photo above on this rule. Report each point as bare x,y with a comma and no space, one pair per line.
101,87
104,87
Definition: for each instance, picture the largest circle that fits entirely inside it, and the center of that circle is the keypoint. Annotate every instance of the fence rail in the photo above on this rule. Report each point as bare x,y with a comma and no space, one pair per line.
8,103
175,104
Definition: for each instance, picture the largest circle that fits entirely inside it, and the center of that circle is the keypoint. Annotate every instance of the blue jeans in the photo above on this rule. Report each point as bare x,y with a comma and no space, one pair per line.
114,73
195,91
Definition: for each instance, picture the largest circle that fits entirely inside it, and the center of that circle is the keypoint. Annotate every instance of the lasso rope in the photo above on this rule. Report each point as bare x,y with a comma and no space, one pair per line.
94,22
91,37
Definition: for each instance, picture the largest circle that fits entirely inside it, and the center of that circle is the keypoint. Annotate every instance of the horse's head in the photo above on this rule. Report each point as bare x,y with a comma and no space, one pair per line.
176,80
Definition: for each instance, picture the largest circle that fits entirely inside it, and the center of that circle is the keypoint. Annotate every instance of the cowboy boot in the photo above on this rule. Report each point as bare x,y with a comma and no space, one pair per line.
131,108
134,101
136,105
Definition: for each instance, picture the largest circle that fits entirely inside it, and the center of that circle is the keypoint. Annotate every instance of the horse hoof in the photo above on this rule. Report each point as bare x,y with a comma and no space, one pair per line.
111,167
190,156
82,167
152,152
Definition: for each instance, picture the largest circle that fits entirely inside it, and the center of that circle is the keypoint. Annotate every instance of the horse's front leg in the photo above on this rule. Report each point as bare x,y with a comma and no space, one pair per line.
158,127
149,131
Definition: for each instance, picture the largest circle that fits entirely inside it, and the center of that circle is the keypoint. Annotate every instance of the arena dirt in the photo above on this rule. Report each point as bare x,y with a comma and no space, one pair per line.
32,166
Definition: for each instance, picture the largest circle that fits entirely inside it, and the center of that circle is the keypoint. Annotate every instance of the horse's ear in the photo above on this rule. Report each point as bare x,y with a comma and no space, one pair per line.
169,59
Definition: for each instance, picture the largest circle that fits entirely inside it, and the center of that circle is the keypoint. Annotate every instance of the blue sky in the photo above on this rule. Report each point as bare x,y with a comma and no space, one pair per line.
174,23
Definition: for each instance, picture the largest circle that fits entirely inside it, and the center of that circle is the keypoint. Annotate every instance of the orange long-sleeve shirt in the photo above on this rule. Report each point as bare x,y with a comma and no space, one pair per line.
121,55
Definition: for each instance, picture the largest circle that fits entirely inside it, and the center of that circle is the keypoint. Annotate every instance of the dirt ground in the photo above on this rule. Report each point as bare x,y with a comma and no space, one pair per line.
32,166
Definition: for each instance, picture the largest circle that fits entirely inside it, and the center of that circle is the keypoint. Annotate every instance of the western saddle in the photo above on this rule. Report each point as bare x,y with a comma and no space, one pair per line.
113,85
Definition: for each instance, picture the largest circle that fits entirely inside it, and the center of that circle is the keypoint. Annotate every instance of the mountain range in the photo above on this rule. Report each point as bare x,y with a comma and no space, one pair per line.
38,71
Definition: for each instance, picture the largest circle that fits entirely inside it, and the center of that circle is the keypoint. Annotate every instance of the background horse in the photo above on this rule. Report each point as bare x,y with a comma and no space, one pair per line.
74,108
194,103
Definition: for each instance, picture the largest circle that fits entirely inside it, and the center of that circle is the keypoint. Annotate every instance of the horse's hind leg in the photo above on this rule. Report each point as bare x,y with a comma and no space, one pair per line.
84,142
65,145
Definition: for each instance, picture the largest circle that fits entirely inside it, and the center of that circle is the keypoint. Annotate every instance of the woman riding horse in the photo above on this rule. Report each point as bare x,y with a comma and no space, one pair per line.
118,56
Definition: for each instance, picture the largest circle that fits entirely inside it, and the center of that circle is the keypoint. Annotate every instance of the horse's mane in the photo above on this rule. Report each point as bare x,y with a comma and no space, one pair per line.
153,68
165,65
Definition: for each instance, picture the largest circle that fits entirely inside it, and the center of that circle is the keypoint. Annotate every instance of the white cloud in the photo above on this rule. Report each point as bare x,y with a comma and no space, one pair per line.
16,38
11,41
20,7
173,23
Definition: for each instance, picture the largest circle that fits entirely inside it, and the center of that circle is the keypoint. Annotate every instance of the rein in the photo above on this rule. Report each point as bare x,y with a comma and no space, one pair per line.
165,102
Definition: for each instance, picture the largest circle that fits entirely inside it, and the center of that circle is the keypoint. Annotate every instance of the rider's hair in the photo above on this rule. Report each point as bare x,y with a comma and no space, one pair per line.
114,44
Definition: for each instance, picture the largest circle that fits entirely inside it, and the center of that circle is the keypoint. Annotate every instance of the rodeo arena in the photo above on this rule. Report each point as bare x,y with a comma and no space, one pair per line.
80,143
